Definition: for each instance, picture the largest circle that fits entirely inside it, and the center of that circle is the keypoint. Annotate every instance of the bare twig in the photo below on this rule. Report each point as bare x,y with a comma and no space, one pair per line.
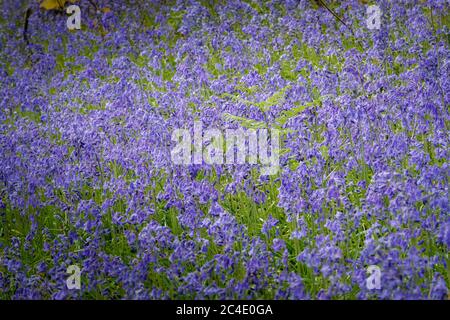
25,25
322,3
94,5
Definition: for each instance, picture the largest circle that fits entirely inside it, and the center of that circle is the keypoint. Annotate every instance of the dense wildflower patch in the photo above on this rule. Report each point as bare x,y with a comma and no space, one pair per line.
86,176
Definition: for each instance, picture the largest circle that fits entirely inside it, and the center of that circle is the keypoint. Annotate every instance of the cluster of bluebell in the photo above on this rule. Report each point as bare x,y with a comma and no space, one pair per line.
87,179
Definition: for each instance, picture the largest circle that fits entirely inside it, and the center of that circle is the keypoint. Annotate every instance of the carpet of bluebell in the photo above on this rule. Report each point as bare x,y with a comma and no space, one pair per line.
87,179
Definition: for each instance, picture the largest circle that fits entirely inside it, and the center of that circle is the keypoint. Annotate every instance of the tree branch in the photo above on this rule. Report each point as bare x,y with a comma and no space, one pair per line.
322,3
25,25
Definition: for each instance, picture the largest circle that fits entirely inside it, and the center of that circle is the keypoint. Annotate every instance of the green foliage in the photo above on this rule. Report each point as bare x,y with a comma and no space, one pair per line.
55,4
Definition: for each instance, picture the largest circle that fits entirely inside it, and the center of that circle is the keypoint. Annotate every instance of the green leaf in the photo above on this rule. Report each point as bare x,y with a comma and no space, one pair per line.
291,113
273,100
53,4
245,122
56,4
